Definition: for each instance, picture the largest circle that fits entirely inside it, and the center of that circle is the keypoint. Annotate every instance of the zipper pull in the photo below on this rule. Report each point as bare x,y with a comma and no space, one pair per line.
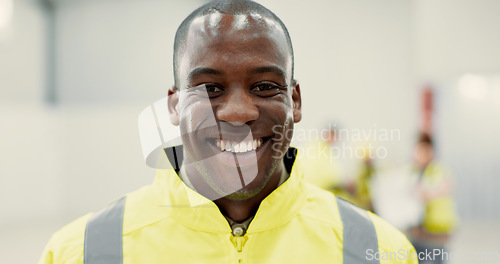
239,242
239,238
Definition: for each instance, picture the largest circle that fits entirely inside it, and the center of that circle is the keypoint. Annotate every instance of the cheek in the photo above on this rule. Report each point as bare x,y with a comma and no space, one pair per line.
280,113
280,110
195,113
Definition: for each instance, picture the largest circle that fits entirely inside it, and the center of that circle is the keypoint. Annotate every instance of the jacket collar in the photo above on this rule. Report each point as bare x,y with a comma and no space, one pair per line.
197,212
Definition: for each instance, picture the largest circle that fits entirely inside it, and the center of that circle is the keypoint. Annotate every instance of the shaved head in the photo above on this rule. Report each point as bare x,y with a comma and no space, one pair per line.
226,7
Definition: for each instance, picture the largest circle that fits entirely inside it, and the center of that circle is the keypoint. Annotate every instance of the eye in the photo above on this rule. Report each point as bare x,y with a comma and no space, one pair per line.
266,89
213,90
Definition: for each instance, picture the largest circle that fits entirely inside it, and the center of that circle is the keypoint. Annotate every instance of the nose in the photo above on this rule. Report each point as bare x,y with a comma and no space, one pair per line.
238,108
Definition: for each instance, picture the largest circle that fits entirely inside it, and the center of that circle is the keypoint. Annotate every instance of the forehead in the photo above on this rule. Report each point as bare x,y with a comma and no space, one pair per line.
239,38
218,25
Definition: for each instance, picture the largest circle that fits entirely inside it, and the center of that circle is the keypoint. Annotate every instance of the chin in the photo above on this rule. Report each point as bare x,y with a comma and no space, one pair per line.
243,194
234,190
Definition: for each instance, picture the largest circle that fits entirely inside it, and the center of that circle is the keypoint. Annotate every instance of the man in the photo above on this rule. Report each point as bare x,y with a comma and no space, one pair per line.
236,193
434,190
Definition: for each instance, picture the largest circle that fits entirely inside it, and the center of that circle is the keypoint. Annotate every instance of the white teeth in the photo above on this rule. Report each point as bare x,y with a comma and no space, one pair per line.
243,147
235,147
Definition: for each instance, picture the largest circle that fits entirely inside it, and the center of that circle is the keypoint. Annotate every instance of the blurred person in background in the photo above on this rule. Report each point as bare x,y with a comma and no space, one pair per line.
325,169
434,190
363,182
327,159
235,194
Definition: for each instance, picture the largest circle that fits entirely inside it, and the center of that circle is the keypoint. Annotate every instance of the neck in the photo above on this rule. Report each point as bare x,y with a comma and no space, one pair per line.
237,210
240,211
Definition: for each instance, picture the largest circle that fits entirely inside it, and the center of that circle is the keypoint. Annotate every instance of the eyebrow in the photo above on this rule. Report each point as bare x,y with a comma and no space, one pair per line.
196,72
266,69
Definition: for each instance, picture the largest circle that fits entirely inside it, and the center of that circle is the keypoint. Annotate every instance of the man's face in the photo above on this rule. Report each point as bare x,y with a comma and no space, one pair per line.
236,102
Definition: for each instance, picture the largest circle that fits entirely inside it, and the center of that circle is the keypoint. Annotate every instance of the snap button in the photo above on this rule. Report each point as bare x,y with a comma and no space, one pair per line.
238,231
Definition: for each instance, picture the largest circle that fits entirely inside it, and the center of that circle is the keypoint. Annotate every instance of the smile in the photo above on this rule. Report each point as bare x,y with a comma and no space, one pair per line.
239,147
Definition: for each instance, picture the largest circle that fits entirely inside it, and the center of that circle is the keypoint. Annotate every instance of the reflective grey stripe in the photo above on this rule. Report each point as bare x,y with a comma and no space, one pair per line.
103,235
359,234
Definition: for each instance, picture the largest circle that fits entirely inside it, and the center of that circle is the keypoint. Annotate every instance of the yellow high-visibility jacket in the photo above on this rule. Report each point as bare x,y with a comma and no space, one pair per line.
440,216
167,222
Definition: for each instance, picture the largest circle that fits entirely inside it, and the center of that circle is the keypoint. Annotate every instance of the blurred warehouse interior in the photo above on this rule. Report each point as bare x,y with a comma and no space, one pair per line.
75,74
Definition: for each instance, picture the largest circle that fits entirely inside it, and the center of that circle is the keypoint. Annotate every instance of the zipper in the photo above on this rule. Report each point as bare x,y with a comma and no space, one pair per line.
238,243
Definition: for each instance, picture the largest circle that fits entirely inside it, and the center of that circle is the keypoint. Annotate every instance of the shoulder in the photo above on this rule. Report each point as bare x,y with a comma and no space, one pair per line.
393,246
390,239
67,242
320,205
437,169
324,207
142,207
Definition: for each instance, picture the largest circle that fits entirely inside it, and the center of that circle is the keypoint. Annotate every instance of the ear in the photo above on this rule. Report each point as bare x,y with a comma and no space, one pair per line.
173,105
297,102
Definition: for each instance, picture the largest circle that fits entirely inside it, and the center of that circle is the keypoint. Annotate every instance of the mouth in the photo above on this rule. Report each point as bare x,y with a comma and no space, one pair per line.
226,145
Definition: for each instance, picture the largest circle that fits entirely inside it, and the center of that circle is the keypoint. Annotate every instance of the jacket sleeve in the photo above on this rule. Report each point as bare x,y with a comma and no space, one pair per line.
394,247
47,255
66,244
411,256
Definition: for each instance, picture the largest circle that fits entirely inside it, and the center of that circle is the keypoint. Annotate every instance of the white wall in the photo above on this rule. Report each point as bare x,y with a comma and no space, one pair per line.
454,38
117,50
114,59
22,54
353,59
30,171
60,162
30,153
